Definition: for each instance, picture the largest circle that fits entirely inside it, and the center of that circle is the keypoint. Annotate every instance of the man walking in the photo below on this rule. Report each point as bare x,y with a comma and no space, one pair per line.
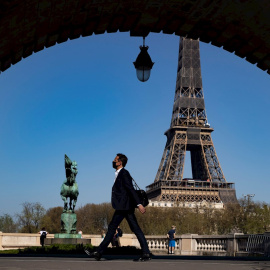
124,200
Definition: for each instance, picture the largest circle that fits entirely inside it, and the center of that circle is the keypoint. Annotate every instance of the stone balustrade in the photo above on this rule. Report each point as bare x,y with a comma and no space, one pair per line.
187,244
193,244
211,245
159,244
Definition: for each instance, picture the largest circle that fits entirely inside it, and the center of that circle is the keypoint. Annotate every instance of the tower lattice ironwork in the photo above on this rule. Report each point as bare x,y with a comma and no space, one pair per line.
190,131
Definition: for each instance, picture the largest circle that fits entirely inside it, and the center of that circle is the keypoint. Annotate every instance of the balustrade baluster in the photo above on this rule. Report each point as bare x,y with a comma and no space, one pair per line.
214,245
198,245
211,245
203,245
218,245
163,244
222,245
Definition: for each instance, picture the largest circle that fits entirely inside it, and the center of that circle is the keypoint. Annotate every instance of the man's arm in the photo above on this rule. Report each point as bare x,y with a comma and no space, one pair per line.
127,182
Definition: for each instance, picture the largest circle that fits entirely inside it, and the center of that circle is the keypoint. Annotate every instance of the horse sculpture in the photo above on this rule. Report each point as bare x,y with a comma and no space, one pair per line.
69,188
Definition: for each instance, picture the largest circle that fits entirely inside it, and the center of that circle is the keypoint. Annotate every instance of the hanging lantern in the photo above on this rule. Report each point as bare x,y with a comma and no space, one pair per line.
143,63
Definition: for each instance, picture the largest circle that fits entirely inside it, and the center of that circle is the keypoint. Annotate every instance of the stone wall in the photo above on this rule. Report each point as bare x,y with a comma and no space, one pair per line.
19,240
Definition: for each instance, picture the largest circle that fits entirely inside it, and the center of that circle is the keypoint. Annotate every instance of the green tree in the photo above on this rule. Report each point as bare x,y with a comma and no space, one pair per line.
229,220
52,220
7,224
93,218
30,217
256,216
245,216
265,216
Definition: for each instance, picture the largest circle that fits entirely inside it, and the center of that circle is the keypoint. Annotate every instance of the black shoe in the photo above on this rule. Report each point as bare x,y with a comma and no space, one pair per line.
145,257
95,254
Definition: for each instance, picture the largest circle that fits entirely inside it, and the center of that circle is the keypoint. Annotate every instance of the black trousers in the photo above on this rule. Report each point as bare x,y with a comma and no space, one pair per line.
42,240
133,224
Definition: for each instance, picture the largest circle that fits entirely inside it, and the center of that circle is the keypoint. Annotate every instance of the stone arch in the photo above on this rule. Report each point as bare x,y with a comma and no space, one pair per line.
239,26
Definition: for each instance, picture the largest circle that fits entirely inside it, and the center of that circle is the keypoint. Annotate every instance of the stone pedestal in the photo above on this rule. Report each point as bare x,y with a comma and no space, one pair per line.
60,240
68,223
68,233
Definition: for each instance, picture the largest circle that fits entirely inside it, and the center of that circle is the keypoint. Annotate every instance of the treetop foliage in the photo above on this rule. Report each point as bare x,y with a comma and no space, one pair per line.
245,217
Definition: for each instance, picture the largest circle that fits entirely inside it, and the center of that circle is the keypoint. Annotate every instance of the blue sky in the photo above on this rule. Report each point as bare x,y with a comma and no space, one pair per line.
82,98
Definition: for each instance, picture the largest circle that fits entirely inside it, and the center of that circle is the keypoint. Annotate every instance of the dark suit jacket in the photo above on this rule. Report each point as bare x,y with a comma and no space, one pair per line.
124,196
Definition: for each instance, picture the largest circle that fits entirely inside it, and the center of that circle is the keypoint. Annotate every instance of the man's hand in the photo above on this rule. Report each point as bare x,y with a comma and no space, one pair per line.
141,209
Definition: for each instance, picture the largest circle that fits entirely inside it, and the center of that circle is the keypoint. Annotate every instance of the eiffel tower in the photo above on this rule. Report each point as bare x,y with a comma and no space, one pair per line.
190,131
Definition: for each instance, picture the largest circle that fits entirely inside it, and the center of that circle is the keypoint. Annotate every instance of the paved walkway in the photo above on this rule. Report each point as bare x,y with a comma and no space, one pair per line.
127,263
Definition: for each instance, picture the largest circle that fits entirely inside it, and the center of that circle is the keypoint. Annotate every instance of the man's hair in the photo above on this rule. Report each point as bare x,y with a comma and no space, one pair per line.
123,159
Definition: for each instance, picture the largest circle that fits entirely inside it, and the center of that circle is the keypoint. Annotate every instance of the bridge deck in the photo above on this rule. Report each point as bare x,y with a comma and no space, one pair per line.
123,263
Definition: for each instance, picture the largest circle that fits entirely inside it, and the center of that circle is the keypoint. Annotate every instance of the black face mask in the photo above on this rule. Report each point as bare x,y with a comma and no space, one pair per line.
114,165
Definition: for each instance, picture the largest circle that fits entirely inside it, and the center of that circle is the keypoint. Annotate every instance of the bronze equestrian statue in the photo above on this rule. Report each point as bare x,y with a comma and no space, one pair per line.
69,188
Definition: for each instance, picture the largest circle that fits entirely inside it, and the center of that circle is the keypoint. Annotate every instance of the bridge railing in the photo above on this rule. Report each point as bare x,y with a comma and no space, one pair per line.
186,244
259,244
193,244
160,244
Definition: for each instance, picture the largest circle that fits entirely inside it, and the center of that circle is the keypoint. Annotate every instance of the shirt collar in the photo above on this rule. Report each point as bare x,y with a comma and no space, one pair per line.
117,172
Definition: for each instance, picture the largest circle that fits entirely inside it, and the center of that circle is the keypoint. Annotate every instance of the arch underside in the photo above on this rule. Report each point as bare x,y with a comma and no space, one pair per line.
239,26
